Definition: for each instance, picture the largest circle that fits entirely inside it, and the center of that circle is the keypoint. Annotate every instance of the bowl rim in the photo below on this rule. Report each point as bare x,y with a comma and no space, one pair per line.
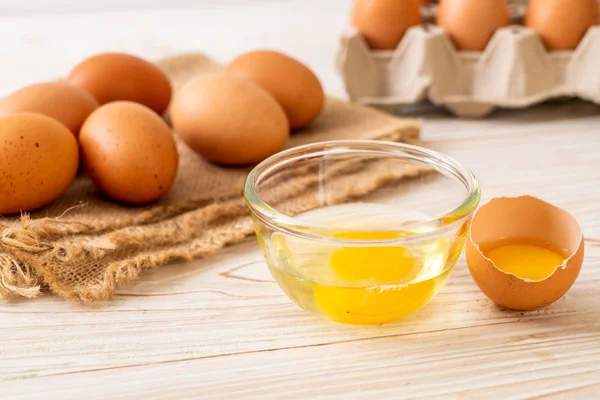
293,226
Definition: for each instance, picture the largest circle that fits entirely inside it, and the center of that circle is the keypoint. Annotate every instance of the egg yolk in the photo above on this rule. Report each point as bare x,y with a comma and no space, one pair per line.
372,264
375,305
383,268
526,261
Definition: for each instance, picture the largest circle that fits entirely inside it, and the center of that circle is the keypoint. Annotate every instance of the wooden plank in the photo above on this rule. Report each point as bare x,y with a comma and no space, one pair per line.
516,357
200,322
222,325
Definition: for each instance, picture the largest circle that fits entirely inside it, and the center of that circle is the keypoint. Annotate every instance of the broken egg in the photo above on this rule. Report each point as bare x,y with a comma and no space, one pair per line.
524,253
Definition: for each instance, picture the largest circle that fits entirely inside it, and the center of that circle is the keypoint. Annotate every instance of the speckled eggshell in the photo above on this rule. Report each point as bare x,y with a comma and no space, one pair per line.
531,218
116,76
66,103
129,152
290,82
39,159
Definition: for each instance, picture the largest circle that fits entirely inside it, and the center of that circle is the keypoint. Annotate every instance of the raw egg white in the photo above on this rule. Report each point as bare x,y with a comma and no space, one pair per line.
540,256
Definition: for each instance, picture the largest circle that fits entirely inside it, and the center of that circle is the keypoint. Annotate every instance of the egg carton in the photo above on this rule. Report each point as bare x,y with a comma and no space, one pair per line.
514,71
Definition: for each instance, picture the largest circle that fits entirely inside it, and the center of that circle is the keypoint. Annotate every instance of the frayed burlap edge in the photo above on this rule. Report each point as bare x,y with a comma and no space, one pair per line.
31,247
23,266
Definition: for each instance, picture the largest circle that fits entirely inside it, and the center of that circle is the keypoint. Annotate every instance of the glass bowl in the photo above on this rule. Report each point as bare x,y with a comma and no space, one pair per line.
362,232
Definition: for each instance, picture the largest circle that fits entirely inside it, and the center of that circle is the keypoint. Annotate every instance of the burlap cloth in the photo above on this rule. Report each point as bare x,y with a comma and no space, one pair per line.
84,246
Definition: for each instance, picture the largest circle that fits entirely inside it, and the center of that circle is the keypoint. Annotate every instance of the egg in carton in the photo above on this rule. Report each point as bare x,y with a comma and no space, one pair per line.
514,71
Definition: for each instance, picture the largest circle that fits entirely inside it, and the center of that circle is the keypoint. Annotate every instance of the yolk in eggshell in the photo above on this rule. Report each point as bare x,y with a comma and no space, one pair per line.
524,258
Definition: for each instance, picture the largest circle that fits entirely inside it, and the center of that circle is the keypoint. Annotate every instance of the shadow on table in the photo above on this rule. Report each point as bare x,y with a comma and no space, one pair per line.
553,110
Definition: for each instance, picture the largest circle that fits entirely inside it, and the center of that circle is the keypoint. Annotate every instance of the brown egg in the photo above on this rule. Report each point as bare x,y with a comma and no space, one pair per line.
561,24
229,120
472,23
525,220
383,22
129,152
38,161
293,85
114,76
65,103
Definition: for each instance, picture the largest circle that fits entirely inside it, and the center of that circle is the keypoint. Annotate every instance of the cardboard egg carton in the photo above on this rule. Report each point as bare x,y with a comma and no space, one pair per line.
514,71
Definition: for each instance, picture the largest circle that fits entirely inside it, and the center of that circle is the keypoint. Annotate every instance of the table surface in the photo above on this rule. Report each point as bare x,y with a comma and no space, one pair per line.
221,328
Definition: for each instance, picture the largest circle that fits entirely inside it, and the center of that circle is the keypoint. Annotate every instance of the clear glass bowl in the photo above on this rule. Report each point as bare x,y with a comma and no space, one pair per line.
361,232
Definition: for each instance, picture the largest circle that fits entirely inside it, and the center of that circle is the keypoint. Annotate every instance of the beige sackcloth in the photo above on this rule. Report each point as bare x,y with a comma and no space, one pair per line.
84,246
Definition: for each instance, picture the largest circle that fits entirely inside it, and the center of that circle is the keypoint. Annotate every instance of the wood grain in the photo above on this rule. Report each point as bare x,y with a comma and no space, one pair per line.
221,328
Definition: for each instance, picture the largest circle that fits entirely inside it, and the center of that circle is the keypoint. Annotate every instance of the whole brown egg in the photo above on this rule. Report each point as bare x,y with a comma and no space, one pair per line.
66,103
293,85
116,76
39,159
472,23
229,120
129,152
383,23
561,24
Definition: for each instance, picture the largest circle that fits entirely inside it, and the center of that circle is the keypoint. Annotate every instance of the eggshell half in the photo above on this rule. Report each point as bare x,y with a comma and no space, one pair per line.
530,218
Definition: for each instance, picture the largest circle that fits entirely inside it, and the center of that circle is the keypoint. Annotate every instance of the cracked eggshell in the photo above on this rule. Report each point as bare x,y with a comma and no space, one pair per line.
524,217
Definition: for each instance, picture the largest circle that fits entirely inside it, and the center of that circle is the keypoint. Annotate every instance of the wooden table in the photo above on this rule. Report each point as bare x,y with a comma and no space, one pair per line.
221,328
